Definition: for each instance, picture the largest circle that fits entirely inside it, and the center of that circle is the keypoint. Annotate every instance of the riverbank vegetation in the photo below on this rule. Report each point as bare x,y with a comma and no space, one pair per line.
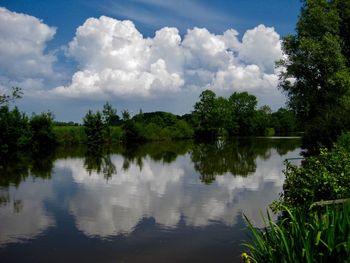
314,224
18,131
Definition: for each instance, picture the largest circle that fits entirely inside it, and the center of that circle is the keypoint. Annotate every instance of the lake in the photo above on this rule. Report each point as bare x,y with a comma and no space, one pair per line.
158,202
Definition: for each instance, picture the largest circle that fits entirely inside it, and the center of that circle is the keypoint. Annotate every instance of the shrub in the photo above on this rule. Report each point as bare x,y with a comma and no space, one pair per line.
344,141
322,177
14,129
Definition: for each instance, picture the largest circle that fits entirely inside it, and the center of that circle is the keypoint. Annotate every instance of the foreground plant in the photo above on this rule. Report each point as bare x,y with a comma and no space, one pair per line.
319,235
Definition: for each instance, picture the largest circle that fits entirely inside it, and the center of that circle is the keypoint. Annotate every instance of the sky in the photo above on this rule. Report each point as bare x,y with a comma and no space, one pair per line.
153,55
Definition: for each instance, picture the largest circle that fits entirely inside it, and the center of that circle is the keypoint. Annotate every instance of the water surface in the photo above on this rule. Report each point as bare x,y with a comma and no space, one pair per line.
158,202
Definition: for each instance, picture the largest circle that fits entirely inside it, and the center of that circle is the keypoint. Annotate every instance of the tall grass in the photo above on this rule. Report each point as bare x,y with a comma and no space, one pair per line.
75,135
317,235
70,135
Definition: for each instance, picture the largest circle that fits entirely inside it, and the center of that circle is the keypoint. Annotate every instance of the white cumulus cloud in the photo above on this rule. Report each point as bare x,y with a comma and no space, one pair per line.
116,62
115,59
23,40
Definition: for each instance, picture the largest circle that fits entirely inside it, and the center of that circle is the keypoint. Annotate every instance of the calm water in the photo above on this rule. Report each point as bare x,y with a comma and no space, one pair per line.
159,202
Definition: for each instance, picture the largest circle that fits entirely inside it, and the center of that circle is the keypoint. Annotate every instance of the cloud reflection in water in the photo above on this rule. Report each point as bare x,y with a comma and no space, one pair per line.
168,193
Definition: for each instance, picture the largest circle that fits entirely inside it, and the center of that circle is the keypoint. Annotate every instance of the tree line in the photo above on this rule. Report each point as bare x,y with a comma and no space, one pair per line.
211,117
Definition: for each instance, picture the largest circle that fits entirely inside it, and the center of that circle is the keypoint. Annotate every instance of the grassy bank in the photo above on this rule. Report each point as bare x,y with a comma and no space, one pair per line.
307,232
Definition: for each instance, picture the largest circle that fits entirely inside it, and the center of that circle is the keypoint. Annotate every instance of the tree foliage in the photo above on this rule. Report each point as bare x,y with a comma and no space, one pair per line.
156,126
17,131
41,128
14,129
317,77
243,106
94,127
16,93
109,115
237,116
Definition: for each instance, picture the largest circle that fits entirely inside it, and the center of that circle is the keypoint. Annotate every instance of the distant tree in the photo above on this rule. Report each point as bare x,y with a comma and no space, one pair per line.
41,130
94,127
266,110
16,93
125,115
261,121
284,121
225,120
243,107
14,130
205,111
109,115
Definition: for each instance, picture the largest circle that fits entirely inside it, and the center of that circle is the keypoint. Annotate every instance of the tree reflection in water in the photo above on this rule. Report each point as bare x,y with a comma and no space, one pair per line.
144,181
98,159
237,156
17,167
210,159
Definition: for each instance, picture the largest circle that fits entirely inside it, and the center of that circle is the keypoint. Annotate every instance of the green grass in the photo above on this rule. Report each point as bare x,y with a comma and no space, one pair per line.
75,135
116,135
70,135
316,235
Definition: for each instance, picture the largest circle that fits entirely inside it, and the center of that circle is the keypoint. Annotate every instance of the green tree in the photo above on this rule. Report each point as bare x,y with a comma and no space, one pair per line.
284,121
109,118
225,118
14,130
125,115
317,78
41,130
94,127
109,115
205,113
243,107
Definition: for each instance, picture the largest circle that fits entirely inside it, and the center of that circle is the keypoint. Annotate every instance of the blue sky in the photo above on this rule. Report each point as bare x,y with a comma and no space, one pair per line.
131,65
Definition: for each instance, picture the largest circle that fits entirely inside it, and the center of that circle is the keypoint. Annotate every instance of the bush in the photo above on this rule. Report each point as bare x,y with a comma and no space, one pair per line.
344,141
323,177
14,130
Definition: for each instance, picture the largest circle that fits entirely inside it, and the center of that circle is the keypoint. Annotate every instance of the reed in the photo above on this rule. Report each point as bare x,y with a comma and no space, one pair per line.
317,235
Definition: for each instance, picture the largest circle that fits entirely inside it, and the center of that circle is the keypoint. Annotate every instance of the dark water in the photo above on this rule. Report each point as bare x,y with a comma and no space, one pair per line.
159,202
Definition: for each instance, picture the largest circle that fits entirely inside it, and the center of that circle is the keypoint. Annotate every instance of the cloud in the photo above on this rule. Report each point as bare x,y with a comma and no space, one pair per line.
116,60
22,47
117,63
261,46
